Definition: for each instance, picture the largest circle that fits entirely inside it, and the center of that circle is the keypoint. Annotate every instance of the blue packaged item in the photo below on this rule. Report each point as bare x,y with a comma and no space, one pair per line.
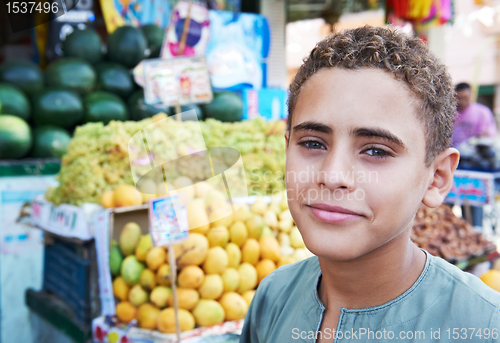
269,103
237,51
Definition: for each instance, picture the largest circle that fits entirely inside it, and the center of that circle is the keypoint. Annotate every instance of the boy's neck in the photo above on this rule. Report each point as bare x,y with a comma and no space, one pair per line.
373,279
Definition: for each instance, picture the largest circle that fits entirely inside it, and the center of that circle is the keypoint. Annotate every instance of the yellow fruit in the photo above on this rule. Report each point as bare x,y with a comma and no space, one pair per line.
125,311
284,260
217,260
285,225
120,288
146,197
242,214
259,206
159,296
218,236
271,219
155,258
255,225
166,320
275,208
201,189
286,251
284,239
269,248
300,254
264,268
296,239
147,280
248,296
191,277
212,287
215,199
187,298
126,195
492,279
250,252
233,255
192,251
147,316
284,202
163,275
197,216
266,231
238,233
248,277
208,313
221,216
285,215
129,238
145,243
235,307
184,185
137,296
231,279
107,200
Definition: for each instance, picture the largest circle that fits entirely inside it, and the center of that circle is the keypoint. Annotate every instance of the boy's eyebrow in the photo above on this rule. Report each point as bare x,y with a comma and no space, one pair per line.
313,126
380,133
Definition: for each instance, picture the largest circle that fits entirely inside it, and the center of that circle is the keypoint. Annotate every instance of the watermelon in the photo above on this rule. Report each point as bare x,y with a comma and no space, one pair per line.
226,107
140,110
14,101
71,73
85,44
127,45
49,141
15,137
104,107
57,107
24,74
114,78
154,37
184,108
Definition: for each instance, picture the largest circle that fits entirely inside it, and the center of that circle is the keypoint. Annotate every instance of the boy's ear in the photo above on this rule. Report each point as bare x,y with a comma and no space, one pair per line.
444,166
287,136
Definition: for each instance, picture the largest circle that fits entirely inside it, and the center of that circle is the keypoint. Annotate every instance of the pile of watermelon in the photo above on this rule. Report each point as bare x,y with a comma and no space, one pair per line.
39,110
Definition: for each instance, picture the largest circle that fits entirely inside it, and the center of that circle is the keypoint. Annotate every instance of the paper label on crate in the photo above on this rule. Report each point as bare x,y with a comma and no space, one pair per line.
101,233
168,222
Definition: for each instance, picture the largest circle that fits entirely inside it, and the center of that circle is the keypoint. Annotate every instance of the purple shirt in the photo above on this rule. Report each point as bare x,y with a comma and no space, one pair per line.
475,120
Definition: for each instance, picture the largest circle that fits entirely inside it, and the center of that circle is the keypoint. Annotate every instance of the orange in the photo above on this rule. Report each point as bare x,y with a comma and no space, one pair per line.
125,311
492,279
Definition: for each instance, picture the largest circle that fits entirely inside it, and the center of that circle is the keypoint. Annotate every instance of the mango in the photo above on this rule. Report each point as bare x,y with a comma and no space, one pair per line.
131,270
235,307
248,296
238,233
259,206
243,213
163,275
231,279
233,255
221,216
284,260
145,243
250,252
218,236
120,288
191,277
212,287
264,268
115,260
137,296
216,261
129,238
270,219
192,251
159,296
125,311
106,200
166,320
147,316
155,258
296,239
201,189
126,195
197,216
208,312
187,298
248,277
147,280
269,248
255,224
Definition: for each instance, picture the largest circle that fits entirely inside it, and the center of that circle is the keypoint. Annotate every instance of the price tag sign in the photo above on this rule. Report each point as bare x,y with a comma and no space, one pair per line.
168,220
476,188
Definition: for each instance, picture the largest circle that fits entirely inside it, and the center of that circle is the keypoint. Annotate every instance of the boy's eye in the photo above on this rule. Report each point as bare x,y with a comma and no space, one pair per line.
312,145
376,152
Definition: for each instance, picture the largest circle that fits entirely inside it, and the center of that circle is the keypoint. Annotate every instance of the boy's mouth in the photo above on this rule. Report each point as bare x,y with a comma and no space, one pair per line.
332,214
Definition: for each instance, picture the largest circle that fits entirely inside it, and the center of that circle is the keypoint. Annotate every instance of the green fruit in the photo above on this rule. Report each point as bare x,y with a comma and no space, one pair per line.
23,74
85,44
127,46
104,107
131,270
57,107
154,37
14,101
15,137
72,74
226,107
115,260
140,110
184,108
138,296
129,238
114,78
49,141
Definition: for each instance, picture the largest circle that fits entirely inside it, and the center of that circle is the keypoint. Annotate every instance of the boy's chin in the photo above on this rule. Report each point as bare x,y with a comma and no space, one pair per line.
333,252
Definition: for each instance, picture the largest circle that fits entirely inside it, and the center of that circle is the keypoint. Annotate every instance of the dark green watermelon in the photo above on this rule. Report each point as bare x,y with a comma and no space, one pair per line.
85,44
49,141
15,137
225,106
184,108
71,73
154,36
114,78
14,101
23,74
140,110
104,107
59,107
127,45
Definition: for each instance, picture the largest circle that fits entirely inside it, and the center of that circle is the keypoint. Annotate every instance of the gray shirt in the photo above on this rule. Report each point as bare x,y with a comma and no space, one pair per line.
445,304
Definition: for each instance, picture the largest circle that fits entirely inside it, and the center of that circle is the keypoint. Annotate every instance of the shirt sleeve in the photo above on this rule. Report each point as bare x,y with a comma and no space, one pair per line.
487,123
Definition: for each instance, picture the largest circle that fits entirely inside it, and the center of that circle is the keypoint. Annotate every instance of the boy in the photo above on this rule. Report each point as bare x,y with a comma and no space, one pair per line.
370,127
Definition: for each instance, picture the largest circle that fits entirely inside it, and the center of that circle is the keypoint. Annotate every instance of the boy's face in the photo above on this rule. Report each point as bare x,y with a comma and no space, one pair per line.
355,171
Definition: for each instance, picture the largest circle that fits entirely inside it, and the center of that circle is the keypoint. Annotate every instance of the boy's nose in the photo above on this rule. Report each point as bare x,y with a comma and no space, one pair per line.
337,171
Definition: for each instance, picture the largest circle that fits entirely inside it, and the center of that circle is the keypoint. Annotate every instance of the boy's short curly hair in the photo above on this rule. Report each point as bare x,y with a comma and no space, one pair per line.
411,62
